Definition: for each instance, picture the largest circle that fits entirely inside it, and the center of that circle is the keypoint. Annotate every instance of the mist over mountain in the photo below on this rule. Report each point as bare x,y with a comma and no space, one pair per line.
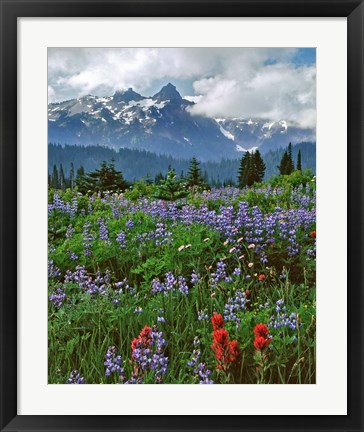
163,124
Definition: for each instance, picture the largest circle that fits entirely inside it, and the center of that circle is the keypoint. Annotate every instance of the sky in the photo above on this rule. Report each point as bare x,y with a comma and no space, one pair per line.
265,83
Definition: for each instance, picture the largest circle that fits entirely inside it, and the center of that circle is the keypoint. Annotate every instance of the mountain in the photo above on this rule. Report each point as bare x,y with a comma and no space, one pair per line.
162,124
263,134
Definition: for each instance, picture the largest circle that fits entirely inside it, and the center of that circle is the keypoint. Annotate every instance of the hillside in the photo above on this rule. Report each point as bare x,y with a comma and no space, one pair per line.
136,164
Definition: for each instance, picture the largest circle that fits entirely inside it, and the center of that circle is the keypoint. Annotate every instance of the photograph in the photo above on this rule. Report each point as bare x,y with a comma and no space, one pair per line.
182,215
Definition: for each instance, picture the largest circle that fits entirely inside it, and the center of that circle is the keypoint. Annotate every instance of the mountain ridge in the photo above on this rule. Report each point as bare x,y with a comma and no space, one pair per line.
163,124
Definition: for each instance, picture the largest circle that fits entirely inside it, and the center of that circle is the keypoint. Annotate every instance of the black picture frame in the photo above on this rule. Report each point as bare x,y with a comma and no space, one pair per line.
10,11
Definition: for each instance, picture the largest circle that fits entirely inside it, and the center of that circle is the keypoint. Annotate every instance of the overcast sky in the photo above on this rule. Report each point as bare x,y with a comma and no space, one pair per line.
268,83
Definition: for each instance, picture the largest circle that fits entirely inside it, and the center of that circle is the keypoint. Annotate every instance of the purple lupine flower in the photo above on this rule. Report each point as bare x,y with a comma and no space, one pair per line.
89,285
161,234
129,224
236,271
202,315
73,256
204,374
121,239
148,353
195,278
75,378
58,297
219,274
135,379
283,319
157,286
114,363
170,281
53,271
182,285
104,233
235,305
70,231
87,239
200,369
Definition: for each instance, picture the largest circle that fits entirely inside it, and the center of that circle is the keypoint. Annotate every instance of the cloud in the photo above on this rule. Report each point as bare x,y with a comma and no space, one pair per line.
275,92
228,82
51,92
193,98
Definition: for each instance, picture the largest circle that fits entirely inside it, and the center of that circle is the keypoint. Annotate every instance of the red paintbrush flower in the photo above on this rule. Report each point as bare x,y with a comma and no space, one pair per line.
234,351
261,330
261,277
143,339
225,352
260,343
262,339
313,234
221,337
217,321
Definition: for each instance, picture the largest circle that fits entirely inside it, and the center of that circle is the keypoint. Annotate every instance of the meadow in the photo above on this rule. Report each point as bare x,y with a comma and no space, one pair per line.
216,287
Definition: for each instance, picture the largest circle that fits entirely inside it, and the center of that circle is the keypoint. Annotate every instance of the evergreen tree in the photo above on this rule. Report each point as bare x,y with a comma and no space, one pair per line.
259,166
80,172
205,177
62,181
299,162
55,179
148,180
158,178
243,170
228,183
194,178
104,179
283,164
171,188
251,169
286,165
72,176
290,164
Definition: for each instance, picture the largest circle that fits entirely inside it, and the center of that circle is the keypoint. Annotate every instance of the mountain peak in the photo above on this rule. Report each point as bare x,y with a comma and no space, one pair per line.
168,92
127,95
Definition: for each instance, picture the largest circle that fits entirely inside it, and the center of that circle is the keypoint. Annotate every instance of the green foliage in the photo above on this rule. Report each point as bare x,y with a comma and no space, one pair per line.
251,169
299,162
172,188
195,181
141,188
104,179
286,166
294,180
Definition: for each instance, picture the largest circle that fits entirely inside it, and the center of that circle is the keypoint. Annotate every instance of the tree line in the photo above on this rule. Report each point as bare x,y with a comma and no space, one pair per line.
107,178
137,164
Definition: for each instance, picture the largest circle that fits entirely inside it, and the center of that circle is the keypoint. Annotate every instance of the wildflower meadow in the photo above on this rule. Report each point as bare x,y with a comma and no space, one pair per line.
215,287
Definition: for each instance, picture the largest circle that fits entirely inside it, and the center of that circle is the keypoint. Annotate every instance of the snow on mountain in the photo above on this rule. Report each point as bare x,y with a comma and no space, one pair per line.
162,124
241,149
263,134
226,133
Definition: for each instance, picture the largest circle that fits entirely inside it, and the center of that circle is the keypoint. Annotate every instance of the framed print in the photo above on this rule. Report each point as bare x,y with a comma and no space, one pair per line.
165,170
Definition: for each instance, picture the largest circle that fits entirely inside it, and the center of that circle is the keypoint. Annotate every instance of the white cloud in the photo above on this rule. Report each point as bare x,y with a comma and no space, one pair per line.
51,93
249,82
280,91
193,98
